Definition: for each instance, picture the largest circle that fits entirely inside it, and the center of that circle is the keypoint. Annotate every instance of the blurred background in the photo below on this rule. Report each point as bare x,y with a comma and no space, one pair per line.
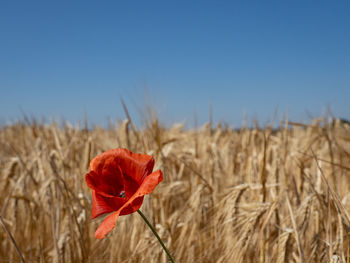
183,58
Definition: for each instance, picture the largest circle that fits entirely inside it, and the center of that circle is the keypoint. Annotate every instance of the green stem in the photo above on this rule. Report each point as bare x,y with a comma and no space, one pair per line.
157,236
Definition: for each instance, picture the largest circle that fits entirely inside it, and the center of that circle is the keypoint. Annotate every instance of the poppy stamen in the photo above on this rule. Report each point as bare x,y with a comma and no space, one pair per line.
122,194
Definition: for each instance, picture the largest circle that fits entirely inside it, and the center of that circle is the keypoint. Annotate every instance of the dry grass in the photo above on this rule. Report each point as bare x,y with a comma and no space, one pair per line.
228,196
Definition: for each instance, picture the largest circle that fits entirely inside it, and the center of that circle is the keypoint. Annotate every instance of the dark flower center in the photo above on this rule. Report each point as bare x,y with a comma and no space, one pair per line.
122,194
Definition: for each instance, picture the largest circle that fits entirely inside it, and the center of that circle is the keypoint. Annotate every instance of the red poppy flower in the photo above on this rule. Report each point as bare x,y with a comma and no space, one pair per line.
119,179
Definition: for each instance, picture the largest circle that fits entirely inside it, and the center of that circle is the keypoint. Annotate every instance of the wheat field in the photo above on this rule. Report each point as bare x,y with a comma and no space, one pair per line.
248,195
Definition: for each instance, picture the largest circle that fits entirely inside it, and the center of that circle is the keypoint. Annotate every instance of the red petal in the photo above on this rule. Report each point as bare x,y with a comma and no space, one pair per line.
136,165
147,186
103,205
130,185
150,183
133,207
107,225
108,181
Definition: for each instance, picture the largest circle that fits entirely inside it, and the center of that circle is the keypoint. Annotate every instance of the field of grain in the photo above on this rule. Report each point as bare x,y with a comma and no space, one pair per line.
249,195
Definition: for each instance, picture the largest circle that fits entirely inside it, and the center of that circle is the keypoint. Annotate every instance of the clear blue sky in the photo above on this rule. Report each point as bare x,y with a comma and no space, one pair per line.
61,58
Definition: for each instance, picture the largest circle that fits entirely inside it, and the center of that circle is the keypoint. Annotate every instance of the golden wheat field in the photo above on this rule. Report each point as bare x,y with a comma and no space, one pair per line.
248,195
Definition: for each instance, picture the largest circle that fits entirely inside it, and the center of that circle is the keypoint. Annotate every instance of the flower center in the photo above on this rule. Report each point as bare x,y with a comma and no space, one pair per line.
122,194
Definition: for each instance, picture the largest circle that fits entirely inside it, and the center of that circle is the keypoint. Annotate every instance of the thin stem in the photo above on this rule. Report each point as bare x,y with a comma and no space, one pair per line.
12,239
156,234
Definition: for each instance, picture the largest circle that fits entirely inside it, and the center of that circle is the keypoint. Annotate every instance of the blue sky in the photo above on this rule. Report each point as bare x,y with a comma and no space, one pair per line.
65,58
